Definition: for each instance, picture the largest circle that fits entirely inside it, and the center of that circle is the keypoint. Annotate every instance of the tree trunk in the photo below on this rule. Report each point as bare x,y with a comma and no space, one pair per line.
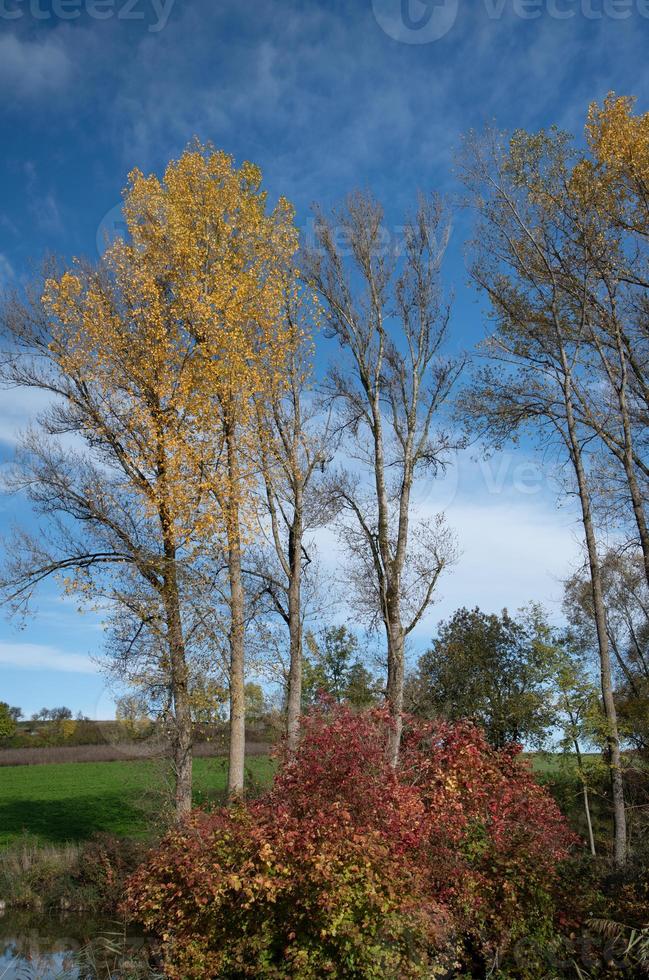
612,734
182,751
237,747
638,508
179,675
237,752
182,735
584,787
628,455
390,581
396,643
294,697
591,839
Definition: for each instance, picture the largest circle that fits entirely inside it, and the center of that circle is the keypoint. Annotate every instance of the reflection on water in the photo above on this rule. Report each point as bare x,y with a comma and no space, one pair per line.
69,947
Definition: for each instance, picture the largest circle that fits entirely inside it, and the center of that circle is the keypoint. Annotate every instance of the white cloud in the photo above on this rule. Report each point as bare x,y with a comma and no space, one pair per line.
32,68
36,656
510,555
349,103
511,552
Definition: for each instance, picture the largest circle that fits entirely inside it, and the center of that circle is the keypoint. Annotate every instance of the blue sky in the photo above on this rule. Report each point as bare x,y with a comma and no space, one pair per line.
325,97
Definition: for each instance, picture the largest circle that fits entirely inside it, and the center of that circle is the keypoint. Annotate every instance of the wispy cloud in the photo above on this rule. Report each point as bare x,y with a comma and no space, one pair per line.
33,68
321,95
45,210
35,656
512,551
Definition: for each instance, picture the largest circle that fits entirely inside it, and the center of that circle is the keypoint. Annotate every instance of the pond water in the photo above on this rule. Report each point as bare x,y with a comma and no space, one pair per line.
68,947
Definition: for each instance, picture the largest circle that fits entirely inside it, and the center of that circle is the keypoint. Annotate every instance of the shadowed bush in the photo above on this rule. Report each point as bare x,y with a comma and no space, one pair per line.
80,877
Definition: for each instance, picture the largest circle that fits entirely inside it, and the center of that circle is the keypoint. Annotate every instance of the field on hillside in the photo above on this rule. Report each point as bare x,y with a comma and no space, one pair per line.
549,763
71,801
115,752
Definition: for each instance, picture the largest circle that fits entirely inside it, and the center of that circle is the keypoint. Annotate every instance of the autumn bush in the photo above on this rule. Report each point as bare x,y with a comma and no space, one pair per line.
348,868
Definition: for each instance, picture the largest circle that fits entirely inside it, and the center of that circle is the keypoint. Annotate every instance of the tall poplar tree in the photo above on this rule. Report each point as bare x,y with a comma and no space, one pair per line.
155,357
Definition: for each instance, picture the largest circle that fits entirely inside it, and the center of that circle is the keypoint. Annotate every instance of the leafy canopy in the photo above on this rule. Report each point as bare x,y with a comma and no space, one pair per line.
495,669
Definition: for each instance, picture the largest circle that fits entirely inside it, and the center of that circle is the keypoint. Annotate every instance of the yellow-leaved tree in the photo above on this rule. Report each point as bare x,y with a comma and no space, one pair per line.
156,355
224,263
617,172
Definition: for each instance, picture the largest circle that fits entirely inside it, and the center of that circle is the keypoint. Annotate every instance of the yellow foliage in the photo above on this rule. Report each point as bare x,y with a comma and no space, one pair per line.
616,178
68,727
178,331
619,140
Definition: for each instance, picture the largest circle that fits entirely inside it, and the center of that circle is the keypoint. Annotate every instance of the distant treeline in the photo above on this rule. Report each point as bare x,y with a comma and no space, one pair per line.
44,741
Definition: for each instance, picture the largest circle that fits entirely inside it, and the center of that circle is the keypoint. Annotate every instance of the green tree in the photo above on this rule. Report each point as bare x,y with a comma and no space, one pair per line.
255,701
7,721
579,720
52,714
362,688
333,653
208,700
333,667
60,714
496,669
626,599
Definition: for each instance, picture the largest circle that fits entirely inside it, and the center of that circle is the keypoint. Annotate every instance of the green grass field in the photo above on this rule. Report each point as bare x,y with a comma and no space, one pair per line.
71,801
61,802
549,763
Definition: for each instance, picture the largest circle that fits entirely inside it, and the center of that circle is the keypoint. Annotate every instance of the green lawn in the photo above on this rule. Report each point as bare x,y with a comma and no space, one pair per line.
71,801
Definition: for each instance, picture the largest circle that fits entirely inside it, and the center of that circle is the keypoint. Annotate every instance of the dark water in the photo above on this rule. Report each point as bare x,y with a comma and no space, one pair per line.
69,947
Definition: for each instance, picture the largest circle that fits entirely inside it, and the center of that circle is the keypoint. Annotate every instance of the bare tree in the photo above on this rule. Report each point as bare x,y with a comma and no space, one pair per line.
390,318
293,507
135,648
295,443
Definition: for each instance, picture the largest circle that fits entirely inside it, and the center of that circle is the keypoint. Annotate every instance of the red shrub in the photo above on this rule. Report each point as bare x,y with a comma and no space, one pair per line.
347,868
